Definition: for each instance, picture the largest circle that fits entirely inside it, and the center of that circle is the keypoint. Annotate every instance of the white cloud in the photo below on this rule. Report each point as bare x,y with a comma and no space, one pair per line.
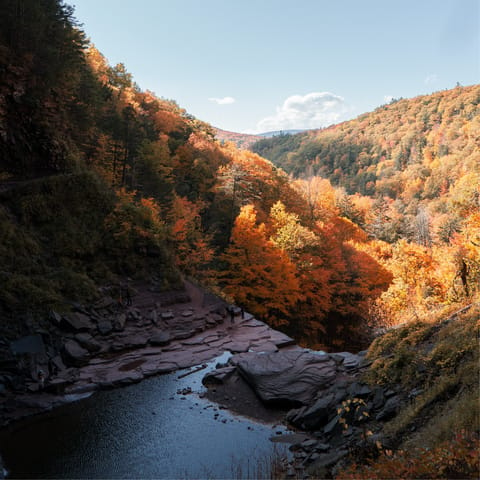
388,98
314,110
222,101
431,79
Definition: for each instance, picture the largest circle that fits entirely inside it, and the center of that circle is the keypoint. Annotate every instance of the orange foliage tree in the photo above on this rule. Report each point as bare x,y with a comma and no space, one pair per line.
192,251
258,275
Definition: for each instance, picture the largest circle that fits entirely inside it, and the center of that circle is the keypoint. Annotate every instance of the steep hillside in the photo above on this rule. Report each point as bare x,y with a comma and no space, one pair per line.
432,428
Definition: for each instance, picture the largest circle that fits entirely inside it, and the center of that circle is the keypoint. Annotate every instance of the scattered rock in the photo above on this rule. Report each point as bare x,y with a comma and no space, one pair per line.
134,314
105,327
184,391
218,376
238,347
57,385
160,339
359,390
167,315
103,303
331,426
315,416
55,317
119,322
154,317
88,342
308,444
378,398
415,393
263,347
77,322
135,341
182,334
187,313
327,460
57,363
389,409
116,378
75,354
349,360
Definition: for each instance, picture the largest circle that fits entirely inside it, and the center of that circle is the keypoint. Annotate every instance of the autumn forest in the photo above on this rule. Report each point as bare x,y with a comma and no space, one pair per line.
332,236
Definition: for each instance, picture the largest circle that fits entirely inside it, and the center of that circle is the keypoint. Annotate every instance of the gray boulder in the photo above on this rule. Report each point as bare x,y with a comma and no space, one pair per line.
119,322
390,409
314,417
104,302
55,317
88,342
349,360
75,354
105,327
77,321
292,377
359,390
160,338
218,376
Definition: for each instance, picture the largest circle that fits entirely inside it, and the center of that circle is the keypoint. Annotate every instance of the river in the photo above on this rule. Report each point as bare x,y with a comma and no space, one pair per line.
145,430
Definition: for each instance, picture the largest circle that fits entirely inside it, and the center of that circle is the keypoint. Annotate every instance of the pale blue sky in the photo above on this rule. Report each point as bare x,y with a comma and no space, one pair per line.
260,65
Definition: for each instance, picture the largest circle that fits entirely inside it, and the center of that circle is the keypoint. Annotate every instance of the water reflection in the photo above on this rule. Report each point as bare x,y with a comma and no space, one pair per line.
145,430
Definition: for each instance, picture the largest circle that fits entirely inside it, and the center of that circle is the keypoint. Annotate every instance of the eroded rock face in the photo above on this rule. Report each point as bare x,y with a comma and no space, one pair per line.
292,377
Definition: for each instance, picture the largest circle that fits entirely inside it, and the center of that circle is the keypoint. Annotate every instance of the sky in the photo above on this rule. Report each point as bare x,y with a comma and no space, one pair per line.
254,66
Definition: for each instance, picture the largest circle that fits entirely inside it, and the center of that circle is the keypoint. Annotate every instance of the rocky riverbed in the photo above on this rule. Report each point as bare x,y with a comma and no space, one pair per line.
268,376
104,346
321,395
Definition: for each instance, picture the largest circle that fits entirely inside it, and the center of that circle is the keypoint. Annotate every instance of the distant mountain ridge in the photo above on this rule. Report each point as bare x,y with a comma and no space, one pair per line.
246,140
277,133
241,140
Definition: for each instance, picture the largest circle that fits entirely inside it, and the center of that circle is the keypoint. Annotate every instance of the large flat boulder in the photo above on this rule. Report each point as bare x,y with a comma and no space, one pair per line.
291,377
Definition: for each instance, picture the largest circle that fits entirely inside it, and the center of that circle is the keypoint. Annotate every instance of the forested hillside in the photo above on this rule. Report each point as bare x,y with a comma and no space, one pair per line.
377,225
409,175
382,152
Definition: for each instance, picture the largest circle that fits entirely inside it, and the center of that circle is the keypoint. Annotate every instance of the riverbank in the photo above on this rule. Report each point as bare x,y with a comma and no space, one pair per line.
102,347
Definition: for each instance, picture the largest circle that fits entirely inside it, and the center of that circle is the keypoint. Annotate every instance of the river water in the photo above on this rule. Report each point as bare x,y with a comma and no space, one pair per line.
146,430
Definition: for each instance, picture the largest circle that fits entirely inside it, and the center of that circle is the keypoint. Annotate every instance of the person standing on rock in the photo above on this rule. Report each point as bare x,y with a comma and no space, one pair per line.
41,379
231,310
128,297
